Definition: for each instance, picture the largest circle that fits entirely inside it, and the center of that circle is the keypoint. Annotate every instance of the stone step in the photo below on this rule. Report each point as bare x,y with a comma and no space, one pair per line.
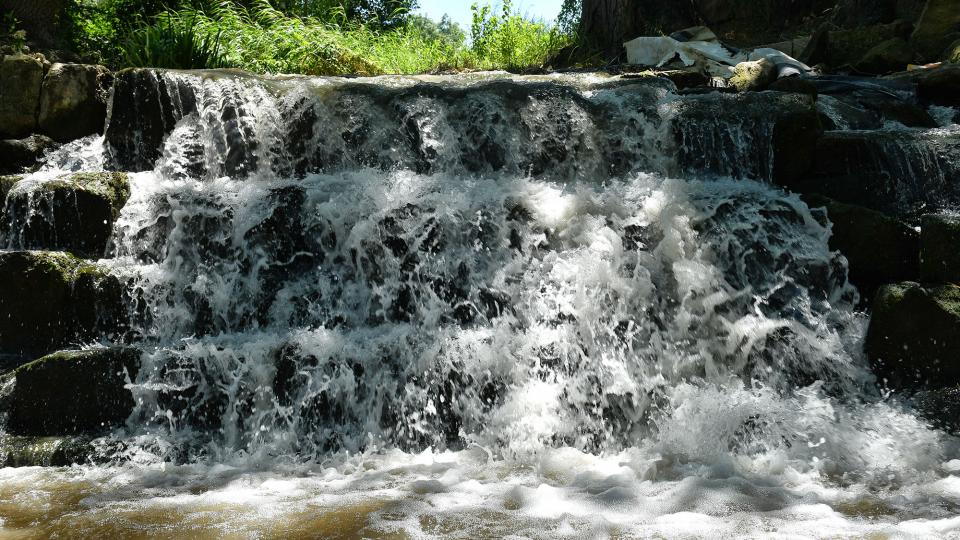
51,300
73,212
70,393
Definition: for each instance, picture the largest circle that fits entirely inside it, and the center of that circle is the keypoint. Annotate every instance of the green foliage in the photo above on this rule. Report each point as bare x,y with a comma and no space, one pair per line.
11,34
170,44
314,37
511,41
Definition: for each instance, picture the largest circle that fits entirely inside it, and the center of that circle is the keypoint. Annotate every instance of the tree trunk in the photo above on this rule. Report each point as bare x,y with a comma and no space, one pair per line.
605,23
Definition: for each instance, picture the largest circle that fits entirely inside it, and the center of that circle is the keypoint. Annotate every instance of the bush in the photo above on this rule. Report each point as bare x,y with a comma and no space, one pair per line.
511,41
166,44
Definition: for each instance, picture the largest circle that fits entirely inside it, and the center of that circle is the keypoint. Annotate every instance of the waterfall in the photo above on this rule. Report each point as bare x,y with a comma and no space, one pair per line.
484,286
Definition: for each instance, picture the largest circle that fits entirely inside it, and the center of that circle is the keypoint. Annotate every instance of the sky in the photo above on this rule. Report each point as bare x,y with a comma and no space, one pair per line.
459,10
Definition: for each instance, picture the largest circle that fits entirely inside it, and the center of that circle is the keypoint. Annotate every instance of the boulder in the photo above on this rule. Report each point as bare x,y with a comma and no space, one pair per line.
73,102
839,48
914,336
17,155
879,249
888,56
74,212
940,248
939,86
70,393
753,75
51,300
21,79
939,25
16,451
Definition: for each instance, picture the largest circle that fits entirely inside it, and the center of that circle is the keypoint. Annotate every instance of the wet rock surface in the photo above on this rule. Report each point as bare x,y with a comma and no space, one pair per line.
17,155
33,451
913,337
70,392
940,252
74,213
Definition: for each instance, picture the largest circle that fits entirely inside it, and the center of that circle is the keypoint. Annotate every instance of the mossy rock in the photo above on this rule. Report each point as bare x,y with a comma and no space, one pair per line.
70,392
755,75
940,248
879,249
888,56
73,102
50,300
914,336
21,78
18,451
74,212
848,47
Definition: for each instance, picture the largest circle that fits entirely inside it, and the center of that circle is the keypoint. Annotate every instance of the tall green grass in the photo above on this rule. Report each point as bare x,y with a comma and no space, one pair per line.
263,39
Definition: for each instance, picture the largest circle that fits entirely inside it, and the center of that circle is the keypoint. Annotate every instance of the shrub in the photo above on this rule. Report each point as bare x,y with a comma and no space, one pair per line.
176,45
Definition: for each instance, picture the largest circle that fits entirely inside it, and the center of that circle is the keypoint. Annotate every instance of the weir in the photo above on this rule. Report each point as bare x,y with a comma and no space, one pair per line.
590,284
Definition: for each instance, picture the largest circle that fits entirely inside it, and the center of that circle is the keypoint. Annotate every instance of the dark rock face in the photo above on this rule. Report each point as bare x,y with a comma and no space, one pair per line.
69,393
938,26
940,86
940,249
902,173
21,79
144,108
849,47
878,248
782,131
73,102
73,213
940,407
49,300
16,155
914,336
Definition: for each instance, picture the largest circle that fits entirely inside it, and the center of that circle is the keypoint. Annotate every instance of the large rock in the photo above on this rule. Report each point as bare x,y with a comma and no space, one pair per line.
146,104
847,47
940,248
51,300
888,56
939,25
70,393
74,212
940,86
21,79
879,249
73,102
17,155
940,407
914,336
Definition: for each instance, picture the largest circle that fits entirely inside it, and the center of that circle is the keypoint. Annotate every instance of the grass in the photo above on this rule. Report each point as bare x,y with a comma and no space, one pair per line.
262,39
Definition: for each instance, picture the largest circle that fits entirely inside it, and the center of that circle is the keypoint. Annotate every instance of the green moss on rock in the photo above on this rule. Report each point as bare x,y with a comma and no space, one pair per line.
914,336
71,392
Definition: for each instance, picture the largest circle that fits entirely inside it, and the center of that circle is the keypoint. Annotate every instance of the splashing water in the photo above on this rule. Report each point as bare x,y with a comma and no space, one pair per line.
502,318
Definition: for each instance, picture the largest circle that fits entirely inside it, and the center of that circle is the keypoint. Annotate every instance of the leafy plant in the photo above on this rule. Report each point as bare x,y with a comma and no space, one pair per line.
511,41
173,44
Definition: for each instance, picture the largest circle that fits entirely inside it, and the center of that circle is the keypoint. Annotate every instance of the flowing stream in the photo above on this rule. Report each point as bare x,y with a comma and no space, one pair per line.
537,308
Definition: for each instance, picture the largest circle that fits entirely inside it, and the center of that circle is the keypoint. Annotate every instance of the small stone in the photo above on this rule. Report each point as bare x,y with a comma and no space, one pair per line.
755,75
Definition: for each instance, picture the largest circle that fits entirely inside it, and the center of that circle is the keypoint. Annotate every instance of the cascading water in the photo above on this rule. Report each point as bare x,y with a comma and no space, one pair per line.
481,309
